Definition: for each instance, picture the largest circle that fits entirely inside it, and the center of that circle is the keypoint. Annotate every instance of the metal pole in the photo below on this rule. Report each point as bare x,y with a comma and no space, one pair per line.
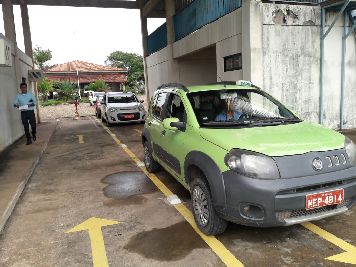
343,70
321,92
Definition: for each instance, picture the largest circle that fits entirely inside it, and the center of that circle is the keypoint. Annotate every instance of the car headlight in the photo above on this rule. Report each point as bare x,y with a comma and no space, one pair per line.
350,148
251,164
141,108
112,109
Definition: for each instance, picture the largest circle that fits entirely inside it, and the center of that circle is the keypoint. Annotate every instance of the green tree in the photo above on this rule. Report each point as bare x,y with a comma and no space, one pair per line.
41,56
66,90
133,63
98,85
44,87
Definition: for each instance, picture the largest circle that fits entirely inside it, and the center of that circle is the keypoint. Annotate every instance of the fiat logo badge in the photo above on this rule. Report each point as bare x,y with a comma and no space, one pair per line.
317,164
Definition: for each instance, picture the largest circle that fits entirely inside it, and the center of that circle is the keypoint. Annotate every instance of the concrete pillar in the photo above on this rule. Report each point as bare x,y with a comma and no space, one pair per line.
170,12
26,31
252,52
9,21
144,33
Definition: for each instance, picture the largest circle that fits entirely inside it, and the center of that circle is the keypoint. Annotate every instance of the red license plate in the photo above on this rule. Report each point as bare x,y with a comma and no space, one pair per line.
320,200
130,116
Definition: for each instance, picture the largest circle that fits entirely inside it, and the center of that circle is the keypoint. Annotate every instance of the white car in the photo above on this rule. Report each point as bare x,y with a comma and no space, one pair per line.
119,107
93,96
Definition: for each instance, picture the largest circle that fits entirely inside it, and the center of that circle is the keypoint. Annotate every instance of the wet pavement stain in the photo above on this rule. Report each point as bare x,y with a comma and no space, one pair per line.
131,200
166,244
128,187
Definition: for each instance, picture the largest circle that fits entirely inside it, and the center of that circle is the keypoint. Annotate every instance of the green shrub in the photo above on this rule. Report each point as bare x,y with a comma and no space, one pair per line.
52,102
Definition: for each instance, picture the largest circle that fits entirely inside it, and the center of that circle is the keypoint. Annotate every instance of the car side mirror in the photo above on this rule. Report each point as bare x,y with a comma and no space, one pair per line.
173,124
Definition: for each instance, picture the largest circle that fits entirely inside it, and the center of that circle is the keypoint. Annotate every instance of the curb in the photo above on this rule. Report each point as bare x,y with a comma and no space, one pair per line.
11,206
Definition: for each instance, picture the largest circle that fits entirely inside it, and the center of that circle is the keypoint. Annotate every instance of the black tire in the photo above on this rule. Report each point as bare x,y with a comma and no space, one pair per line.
108,123
206,218
151,165
102,119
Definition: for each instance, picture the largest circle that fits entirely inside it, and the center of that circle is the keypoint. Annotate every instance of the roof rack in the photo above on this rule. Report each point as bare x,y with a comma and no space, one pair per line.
173,85
224,83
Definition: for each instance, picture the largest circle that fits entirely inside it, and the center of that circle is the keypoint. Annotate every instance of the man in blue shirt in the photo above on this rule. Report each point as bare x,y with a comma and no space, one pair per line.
227,113
26,102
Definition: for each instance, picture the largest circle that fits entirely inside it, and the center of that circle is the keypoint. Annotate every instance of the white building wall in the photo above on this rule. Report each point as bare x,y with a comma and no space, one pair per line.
179,63
291,63
10,122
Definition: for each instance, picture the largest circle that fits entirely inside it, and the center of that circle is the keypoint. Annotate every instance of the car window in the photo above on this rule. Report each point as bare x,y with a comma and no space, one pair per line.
228,107
157,106
174,108
122,99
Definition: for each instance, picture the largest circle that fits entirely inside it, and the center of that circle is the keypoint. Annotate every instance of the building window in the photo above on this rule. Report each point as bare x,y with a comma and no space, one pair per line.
233,62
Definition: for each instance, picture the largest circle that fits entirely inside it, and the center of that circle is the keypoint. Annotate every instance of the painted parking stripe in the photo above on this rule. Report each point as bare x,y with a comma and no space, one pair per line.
80,139
219,249
346,257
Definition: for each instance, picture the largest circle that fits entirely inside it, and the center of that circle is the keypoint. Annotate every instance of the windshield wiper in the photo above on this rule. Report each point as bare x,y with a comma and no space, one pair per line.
282,120
226,123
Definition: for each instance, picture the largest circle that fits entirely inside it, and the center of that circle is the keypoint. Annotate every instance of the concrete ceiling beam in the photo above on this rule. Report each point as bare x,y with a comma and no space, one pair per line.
150,5
82,3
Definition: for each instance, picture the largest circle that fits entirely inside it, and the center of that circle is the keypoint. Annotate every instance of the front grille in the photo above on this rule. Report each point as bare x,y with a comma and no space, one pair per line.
316,187
294,214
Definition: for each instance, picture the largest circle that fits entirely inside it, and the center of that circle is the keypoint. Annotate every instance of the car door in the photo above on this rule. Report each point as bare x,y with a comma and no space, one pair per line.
154,123
172,142
103,106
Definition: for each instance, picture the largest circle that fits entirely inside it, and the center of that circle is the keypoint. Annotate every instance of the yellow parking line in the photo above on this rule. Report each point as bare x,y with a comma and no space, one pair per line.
138,131
219,249
346,257
81,139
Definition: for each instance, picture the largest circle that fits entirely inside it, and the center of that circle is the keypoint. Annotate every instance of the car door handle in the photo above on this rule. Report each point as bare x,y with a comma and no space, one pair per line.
163,132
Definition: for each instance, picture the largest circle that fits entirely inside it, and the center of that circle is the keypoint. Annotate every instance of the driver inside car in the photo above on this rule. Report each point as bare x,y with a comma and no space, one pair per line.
227,112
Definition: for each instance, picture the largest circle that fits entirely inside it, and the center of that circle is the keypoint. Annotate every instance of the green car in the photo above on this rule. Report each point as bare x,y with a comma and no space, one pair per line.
246,158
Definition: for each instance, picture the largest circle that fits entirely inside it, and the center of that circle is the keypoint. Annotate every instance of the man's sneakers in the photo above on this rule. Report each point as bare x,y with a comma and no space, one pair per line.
29,142
34,137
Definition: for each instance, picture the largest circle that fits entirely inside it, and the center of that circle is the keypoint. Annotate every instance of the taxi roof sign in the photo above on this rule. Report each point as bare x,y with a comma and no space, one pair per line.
244,83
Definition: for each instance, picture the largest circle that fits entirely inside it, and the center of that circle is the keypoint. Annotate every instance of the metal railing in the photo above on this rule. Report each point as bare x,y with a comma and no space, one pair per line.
157,40
200,13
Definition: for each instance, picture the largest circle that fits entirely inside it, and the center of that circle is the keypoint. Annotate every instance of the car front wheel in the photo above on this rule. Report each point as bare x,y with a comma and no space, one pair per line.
205,215
150,164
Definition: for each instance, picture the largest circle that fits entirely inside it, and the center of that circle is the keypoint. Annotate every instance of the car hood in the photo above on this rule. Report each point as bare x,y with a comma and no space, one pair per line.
281,140
123,105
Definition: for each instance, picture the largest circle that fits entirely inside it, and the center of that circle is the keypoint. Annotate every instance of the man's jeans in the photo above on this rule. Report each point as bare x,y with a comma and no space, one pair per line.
28,118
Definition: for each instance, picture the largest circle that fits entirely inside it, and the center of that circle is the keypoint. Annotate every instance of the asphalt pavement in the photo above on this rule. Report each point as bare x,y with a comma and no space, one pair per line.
89,202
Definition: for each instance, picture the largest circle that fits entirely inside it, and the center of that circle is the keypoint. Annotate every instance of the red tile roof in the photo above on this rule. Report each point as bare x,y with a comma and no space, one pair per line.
82,66
87,73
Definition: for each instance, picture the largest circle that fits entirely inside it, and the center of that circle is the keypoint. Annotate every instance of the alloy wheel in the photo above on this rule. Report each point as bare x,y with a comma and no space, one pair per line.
147,159
200,206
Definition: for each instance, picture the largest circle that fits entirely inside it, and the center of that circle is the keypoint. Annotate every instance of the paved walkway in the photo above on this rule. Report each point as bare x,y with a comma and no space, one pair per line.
16,166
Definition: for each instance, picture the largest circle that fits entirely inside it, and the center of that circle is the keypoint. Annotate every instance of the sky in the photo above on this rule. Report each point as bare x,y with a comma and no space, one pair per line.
87,34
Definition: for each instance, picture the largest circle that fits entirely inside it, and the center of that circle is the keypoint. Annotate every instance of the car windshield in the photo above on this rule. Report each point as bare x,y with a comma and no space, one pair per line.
122,99
239,108
99,94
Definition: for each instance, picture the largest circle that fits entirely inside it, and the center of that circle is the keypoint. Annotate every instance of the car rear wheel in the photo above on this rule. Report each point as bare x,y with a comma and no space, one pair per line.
206,218
150,164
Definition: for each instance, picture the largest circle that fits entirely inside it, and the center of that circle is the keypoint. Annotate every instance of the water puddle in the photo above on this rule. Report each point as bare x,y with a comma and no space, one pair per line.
127,188
166,244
